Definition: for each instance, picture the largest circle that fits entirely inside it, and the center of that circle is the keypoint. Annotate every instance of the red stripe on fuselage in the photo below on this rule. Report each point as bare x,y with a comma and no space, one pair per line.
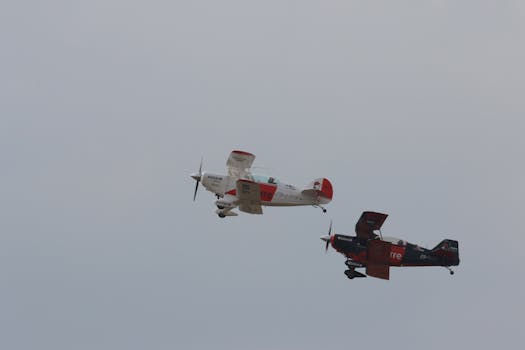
267,191
396,254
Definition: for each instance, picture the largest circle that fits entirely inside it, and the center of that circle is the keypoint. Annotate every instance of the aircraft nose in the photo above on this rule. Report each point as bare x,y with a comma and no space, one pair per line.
325,238
196,176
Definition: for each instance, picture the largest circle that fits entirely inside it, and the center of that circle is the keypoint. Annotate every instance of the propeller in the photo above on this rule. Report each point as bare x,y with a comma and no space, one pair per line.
197,177
328,237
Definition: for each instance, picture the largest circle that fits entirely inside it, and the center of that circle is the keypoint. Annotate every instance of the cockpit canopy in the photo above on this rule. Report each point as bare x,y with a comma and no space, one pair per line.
394,240
265,179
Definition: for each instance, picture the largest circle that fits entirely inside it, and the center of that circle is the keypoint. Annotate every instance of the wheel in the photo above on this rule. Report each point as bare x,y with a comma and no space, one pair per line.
349,274
451,272
221,215
324,210
220,207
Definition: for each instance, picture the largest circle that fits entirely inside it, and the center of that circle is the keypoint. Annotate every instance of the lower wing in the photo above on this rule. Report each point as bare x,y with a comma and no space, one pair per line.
249,194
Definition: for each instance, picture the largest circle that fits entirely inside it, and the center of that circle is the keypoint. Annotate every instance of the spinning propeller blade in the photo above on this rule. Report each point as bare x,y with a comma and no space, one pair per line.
197,178
196,188
328,237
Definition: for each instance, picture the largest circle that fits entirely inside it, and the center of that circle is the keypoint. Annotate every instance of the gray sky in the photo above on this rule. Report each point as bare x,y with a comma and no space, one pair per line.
413,108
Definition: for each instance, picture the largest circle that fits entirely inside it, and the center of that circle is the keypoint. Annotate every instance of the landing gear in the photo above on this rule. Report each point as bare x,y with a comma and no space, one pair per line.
449,270
349,274
220,207
352,264
322,208
222,213
352,273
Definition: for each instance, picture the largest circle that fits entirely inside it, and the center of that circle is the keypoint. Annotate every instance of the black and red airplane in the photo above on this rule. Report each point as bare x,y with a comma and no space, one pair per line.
377,253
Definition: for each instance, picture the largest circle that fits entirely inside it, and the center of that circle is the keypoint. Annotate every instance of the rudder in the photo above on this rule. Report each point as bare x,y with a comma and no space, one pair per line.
448,251
324,188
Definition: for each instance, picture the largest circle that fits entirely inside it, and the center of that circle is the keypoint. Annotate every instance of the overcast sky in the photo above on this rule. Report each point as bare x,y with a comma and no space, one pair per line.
412,108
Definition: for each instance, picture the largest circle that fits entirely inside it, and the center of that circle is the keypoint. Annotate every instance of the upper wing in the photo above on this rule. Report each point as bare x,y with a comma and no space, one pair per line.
239,164
368,223
249,194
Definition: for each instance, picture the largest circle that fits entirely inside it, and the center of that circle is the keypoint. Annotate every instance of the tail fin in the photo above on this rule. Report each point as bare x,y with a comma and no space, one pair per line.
320,187
324,188
448,251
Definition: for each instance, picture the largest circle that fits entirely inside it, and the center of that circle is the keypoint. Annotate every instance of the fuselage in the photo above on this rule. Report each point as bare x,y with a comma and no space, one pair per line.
401,252
273,192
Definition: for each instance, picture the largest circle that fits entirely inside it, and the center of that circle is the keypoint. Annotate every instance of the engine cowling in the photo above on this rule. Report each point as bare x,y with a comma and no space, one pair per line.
215,183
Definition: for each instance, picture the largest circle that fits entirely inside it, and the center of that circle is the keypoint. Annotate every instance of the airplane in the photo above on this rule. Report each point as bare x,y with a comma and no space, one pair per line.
249,192
377,253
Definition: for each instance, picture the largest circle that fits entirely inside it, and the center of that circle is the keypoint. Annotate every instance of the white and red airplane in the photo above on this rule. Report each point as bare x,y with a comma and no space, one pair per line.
240,188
